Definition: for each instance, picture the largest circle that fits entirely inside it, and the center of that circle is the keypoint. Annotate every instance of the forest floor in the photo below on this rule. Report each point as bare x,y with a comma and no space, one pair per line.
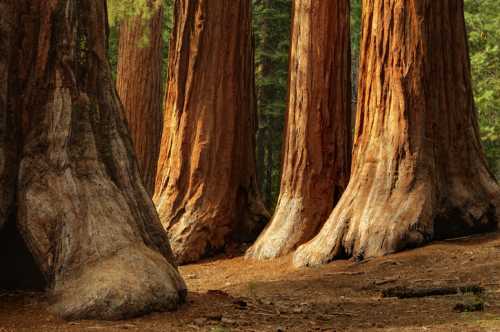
233,294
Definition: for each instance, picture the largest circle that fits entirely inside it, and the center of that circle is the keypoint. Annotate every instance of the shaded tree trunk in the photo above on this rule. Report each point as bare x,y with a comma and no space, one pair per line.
206,189
138,83
81,206
419,172
8,125
317,148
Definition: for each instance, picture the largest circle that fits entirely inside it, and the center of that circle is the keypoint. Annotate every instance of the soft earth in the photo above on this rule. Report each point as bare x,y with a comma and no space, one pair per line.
234,294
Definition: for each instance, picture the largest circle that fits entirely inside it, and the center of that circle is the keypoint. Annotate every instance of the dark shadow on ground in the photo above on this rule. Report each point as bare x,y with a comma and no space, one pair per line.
18,268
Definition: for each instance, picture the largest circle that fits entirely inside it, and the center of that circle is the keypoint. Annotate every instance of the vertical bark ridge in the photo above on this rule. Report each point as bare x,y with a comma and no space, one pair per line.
81,206
8,126
139,87
317,148
418,171
206,190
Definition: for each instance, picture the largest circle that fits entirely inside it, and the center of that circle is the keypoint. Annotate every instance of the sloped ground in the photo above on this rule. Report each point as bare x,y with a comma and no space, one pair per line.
232,294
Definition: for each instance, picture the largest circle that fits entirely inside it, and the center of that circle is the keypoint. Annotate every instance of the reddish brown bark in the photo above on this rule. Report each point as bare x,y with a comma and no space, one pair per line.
206,189
419,172
81,206
138,83
317,150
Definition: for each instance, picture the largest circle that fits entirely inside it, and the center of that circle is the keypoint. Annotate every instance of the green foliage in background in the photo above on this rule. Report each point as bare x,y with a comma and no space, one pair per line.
121,10
483,25
271,28
355,44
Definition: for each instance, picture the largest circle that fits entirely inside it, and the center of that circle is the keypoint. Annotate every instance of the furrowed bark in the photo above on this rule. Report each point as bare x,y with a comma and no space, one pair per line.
81,206
419,171
206,187
138,83
8,130
318,139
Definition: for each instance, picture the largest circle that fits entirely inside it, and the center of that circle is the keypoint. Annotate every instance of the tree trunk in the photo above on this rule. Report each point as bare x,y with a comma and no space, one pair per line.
419,172
138,84
8,129
317,148
81,206
206,188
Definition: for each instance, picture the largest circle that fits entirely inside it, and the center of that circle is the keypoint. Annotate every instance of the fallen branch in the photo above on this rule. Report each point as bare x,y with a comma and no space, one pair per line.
347,273
405,293
347,314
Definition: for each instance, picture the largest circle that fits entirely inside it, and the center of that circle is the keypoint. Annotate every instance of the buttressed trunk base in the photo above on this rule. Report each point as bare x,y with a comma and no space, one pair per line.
419,172
81,206
317,153
206,188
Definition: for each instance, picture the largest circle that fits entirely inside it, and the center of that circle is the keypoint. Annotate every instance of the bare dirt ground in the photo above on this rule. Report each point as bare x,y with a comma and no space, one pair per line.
233,294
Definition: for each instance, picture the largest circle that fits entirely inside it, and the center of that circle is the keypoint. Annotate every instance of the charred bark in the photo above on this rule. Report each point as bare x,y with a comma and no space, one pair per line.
206,188
317,148
81,207
138,83
419,172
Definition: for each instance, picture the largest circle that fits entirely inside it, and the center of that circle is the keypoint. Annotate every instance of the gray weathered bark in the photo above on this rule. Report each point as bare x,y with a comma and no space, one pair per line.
81,205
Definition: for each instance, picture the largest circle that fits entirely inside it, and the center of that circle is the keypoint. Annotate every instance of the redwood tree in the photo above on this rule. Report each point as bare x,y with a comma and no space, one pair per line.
138,82
8,132
419,172
206,188
80,203
318,140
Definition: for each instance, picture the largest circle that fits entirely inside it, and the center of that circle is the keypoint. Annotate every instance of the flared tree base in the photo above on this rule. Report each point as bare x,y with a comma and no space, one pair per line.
405,220
135,281
291,226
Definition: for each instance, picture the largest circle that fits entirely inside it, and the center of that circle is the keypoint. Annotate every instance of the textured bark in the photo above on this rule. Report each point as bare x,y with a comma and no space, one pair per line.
81,206
317,151
138,83
419,172
8,131
206,188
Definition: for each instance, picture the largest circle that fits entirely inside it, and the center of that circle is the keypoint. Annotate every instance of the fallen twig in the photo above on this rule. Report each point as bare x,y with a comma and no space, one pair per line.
405,292
347,273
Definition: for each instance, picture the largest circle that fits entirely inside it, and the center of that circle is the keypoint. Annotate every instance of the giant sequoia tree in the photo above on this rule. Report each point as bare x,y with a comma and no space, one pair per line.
419,172
80,204
8,148
317,144
139,81
206,188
